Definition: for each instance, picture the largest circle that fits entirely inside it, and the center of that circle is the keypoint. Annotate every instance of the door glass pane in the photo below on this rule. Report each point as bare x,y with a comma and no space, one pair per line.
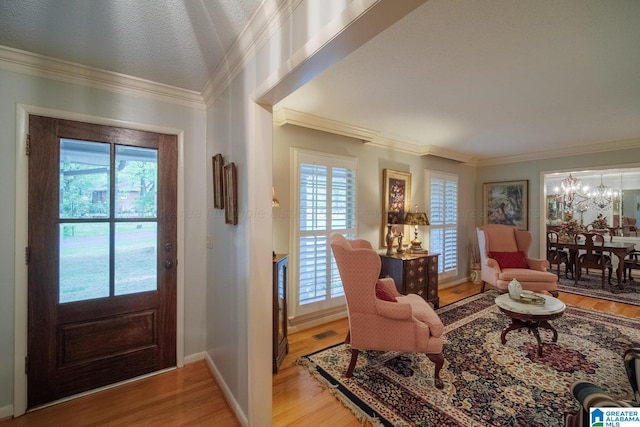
84,179
84,261
136,182
136,257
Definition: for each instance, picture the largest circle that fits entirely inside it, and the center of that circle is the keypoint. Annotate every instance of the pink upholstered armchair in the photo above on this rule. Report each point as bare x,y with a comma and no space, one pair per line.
504,257
409,324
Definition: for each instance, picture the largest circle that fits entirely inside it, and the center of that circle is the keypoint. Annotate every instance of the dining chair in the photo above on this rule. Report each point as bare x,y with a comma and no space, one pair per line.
592,256
631,262
556,255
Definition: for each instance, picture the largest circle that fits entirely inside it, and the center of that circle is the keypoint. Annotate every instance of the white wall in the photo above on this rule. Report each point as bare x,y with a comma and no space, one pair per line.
371,163
38,92
239,264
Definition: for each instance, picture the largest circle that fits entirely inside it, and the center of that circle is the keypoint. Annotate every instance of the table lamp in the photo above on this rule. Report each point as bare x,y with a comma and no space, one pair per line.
416,219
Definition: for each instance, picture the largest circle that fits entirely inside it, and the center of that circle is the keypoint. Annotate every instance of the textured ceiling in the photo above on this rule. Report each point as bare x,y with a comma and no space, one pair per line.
176,42
492,77
488,78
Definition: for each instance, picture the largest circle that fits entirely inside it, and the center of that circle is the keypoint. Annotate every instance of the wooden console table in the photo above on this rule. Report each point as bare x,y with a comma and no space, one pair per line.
413,274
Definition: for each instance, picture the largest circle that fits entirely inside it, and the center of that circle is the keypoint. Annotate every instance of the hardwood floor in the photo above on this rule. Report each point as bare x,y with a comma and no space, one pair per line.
186,396
190,396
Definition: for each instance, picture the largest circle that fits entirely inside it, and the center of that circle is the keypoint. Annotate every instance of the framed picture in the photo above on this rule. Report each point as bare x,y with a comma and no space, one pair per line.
218,179
396,200
230,194
506,203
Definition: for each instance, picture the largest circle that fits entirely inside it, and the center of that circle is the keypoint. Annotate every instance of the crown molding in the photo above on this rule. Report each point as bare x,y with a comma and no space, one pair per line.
433,150
601,147
285,116
373,138
423,150
33,64
265,21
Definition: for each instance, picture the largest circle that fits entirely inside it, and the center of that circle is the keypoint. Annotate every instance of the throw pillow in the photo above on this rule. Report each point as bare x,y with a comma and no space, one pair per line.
383,293
510,259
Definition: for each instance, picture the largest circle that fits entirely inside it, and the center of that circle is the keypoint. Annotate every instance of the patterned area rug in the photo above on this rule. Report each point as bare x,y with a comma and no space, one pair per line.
486,383
590,285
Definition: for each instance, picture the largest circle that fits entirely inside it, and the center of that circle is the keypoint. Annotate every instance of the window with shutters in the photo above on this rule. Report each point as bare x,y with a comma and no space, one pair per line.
443,220
325,196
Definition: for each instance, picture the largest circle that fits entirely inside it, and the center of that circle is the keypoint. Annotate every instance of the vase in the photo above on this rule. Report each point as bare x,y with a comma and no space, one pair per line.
389,240
400,247
515,289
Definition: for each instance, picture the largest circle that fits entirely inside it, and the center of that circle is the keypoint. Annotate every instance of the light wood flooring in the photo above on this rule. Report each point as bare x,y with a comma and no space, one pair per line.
190,396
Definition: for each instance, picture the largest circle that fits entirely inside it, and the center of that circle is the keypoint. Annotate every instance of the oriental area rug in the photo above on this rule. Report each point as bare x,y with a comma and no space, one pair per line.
590,285
486,383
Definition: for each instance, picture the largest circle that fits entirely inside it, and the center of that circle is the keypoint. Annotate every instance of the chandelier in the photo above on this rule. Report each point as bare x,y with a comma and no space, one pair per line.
602,196
575,196
571,191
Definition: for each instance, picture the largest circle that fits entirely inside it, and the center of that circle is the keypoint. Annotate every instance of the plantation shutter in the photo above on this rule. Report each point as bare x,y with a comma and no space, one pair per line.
326,204
443,197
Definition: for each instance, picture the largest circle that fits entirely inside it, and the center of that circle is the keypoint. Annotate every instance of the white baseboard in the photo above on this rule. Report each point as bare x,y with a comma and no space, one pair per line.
452,283
194,357
241,416
6,412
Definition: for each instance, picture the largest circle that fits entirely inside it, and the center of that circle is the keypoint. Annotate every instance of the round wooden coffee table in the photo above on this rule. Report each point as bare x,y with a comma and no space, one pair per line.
530,316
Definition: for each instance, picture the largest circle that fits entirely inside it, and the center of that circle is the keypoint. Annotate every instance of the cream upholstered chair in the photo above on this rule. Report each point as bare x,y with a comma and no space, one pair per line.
376,322
504,257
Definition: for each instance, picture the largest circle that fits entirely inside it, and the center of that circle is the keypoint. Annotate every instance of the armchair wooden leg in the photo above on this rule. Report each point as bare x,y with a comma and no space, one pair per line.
352,363
438,360
554,294
347,339
483,283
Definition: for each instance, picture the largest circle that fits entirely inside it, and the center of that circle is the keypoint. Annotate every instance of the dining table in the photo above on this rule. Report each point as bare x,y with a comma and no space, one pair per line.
619,248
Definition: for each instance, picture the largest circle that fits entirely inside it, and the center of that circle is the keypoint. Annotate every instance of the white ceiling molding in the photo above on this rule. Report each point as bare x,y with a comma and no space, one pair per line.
265,21
433,150
285,116
601,147
20,61
420,150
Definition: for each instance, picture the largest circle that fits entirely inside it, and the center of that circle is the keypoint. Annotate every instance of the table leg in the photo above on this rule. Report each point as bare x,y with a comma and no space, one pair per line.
515,324
545,324
534,330
620,269
532,326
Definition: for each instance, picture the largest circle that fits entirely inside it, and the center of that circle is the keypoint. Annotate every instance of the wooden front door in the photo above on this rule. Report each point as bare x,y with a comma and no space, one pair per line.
101,256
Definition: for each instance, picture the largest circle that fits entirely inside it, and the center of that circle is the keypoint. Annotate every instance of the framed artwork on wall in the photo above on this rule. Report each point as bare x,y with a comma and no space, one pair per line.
218,179
230,194
506,203
396,200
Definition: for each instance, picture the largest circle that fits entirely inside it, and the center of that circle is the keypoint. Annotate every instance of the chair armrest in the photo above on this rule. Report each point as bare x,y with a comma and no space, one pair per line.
393,310
632,368
494,264
633,351
390,285
538,264
590,395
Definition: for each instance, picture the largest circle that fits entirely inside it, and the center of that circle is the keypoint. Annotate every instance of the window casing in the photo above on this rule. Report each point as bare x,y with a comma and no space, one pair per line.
325,199
443,220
